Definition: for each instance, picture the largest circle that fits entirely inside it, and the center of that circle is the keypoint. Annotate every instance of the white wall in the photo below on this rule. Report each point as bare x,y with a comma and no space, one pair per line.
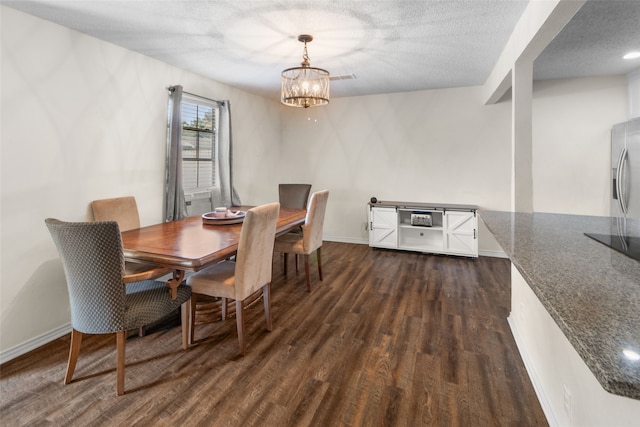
428,146
83,120
572,122
446,146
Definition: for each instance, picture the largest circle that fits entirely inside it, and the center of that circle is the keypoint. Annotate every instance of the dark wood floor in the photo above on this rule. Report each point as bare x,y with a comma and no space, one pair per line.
388,338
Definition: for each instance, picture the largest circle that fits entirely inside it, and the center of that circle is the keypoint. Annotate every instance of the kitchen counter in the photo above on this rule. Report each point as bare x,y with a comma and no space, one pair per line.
592,292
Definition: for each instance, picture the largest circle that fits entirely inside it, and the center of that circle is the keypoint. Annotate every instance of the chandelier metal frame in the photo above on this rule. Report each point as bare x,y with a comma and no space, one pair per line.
305,86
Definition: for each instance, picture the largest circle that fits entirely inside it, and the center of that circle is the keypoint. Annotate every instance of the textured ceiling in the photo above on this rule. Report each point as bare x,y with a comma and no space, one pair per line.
594,42
389,45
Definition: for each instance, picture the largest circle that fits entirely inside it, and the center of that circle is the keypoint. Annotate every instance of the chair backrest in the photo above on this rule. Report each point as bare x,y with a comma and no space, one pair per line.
93,262
314,222
123,210
294,195
255,249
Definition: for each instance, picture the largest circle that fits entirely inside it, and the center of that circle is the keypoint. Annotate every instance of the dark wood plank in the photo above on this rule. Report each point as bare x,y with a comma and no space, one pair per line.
387,338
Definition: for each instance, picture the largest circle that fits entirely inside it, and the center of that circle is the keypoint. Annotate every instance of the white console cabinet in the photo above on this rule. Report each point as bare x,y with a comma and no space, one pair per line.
450,229
383,227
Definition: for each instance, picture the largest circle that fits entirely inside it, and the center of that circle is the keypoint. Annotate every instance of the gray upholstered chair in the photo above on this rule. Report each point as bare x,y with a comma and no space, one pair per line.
294,195
93,261
250,272
124,210
311,238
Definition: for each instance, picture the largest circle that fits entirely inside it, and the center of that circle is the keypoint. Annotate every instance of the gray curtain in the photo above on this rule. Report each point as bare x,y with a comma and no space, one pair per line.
225,195
174,204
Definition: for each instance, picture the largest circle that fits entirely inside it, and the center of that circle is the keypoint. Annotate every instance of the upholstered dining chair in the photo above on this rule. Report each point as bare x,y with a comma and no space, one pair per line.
310,240
93,261
294,195
124,210
250,272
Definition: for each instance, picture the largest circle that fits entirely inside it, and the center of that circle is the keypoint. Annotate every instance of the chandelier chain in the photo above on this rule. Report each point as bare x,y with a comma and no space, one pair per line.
305,56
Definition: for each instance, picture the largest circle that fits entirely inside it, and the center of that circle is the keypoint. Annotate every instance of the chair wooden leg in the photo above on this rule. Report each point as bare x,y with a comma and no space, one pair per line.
285,263
266,296
185,323
306,271
319,263
296,255
121,339
192,319
240,326
74,351
223,305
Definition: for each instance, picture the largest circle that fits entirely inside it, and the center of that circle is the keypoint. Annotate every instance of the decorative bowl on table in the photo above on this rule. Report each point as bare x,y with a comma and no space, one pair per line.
231,217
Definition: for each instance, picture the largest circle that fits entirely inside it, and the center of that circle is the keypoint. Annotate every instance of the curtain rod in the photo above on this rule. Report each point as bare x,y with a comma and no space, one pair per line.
173,88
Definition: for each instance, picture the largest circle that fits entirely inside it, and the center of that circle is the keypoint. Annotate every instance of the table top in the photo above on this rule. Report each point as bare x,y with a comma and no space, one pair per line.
591,291
190,245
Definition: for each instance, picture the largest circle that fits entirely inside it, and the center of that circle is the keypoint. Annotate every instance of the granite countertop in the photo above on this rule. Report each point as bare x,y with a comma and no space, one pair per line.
591,291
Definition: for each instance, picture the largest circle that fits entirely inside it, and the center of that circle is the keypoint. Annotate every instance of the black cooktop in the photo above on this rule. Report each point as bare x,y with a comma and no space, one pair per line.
628,245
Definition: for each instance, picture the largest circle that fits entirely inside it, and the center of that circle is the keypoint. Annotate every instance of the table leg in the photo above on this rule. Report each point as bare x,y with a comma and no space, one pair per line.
173,283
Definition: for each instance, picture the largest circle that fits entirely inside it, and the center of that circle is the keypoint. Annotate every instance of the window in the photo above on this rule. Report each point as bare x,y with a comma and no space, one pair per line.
199,144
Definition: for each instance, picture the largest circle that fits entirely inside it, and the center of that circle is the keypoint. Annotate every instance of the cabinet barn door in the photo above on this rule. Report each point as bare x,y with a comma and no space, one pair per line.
461,233
383,224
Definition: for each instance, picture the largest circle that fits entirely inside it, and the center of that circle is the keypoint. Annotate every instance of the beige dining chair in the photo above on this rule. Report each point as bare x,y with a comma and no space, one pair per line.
101,303
250,272
124,210
310,240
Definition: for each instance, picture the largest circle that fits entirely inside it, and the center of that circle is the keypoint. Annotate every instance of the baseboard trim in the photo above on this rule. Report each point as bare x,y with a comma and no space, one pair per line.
345,240
535,381
487,253
493,254
34,343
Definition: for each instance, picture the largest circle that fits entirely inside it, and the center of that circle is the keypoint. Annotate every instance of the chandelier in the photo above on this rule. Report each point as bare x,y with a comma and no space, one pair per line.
305,86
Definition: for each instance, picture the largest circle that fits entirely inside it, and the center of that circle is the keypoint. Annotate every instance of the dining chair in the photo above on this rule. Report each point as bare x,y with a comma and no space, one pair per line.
101,303
124,210
310,240
294,196
250,272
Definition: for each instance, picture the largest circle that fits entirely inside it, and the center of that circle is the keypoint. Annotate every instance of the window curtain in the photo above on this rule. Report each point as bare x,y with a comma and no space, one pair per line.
222,195
225,194
174,204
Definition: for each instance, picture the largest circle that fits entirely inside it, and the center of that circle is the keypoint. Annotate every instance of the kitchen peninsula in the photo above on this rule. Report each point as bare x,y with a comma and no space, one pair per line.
575,314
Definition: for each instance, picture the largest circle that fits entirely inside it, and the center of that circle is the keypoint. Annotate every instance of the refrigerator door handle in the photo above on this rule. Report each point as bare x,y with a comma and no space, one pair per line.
620,180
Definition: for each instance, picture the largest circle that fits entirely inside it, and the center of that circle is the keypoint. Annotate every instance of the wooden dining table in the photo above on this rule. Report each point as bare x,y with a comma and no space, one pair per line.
191,245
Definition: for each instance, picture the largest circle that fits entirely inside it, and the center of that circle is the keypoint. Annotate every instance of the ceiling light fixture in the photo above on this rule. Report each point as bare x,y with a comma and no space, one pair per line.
630,354
632,55
305,86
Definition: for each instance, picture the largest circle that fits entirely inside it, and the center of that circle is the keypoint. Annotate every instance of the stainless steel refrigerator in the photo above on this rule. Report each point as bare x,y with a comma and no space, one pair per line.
625,169
625,192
